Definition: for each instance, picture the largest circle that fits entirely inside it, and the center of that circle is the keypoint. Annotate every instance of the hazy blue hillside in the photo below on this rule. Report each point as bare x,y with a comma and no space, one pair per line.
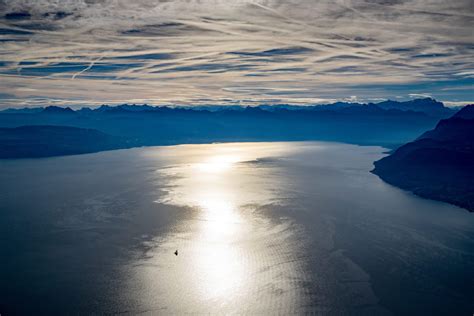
439,164
46,141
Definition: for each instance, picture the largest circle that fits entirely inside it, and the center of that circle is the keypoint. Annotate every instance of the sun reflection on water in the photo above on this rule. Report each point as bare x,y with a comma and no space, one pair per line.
217,164
218,266
225,247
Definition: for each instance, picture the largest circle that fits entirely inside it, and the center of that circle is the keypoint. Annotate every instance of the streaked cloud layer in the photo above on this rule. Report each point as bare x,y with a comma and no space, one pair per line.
226,52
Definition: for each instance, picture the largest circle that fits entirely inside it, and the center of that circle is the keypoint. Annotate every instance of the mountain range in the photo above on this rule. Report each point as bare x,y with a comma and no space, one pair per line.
389,123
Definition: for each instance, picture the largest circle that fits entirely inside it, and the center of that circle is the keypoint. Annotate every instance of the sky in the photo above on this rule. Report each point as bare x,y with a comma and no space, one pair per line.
205,52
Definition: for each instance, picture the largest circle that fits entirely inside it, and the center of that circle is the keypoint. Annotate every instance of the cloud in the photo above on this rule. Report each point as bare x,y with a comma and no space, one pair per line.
187,51
419,95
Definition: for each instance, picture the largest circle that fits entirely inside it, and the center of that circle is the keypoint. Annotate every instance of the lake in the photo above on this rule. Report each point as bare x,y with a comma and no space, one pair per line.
260,228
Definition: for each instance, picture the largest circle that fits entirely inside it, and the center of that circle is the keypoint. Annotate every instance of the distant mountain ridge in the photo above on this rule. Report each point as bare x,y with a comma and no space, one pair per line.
428,106
437,165
57,110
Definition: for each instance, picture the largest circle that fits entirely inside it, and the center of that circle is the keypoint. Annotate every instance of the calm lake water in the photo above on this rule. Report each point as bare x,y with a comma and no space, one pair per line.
261,228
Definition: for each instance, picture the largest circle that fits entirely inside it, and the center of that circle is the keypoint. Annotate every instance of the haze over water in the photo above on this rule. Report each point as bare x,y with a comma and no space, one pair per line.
273,228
